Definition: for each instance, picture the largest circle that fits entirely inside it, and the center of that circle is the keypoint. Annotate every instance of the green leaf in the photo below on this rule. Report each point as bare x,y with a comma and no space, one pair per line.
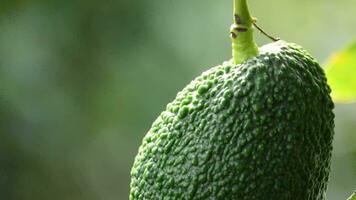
341,75
353,196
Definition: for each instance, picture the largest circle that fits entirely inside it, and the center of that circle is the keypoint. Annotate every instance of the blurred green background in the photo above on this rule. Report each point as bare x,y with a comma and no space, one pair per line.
82,81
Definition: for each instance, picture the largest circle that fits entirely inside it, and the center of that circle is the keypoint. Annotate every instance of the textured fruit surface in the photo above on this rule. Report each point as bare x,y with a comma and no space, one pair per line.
262,129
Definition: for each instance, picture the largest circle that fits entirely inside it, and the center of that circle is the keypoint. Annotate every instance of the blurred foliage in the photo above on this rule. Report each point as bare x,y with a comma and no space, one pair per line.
341,74
82,81
353,196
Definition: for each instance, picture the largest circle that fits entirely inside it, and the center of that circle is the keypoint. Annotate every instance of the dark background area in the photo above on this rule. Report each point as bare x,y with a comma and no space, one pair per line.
82,81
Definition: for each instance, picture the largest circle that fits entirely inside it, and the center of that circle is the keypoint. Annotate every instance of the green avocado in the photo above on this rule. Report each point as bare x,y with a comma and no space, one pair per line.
259,130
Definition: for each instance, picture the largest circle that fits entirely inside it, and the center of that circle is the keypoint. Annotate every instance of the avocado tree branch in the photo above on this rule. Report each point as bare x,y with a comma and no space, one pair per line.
264,32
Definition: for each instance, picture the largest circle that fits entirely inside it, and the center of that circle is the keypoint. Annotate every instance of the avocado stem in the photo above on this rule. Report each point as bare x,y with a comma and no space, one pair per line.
243,44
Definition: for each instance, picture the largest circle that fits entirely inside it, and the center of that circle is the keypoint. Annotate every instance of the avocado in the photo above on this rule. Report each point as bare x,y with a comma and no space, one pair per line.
258,130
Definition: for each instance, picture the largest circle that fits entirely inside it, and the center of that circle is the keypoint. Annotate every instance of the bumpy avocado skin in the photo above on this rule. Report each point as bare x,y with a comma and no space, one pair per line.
259,130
